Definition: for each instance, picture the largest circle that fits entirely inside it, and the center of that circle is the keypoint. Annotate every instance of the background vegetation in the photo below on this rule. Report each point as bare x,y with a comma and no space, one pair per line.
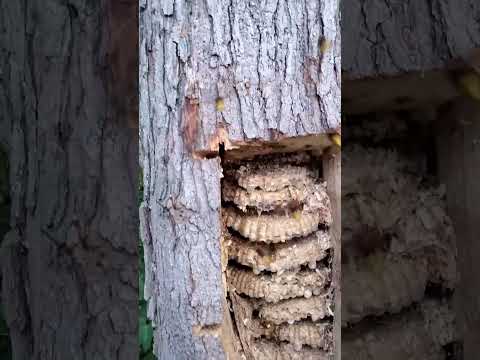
145,330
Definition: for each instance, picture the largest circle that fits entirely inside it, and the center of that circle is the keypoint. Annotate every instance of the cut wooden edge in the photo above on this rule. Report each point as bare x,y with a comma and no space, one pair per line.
331,163
244,150
315,143
408,91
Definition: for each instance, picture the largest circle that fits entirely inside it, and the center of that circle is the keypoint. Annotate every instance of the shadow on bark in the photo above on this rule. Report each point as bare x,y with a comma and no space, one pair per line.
5,347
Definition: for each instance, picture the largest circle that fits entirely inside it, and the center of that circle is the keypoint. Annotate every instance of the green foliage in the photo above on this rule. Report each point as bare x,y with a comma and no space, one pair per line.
145,330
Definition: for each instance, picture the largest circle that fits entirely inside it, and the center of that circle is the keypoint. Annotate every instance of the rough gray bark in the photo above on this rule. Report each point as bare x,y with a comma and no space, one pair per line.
69,262
393,37
211,72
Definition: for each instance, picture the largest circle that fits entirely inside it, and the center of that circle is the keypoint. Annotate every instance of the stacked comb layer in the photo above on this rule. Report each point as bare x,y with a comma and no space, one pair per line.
398,260
276,216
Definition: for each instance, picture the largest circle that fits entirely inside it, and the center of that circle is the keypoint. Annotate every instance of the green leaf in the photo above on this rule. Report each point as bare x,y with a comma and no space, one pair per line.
145,337
145,330
148,356
141,284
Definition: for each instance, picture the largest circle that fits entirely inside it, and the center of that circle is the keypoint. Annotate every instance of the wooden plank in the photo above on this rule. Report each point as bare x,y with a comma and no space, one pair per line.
332,175
458,145
405,92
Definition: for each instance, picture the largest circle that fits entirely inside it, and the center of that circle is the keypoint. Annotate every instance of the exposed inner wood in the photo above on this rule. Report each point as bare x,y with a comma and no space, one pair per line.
248,150
276,215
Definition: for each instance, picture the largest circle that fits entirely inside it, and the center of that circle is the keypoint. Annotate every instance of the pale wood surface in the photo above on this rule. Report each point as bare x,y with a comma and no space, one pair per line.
332,165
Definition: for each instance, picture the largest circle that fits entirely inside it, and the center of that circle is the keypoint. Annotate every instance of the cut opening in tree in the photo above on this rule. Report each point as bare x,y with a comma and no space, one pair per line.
277,249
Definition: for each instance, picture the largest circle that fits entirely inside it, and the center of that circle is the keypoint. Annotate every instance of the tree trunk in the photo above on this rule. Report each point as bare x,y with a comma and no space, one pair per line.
67,95
246,76
391,38
401,55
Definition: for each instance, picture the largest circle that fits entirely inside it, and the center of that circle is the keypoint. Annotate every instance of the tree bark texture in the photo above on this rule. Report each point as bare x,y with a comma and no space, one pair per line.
226,72
393,37
68,94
